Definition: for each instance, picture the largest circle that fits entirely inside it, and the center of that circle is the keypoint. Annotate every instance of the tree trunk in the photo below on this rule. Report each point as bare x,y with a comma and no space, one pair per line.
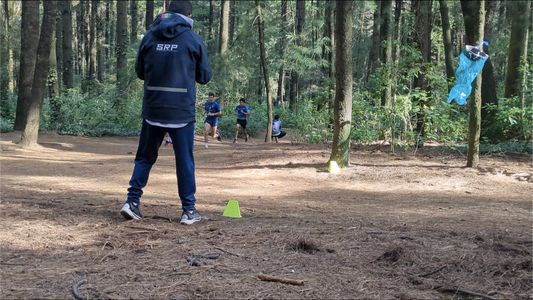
5,76
386,53
232,19
68,62
86,32
474,18
224,29
92,41
488,89
448,46
28,57
397,25
59,45
100,53
52,81
340,152
134,9
108,33
149,14
122,46
517,45
260,29
329,33
376,42
423,39
211,19
31,124
300,23
80,16
282,50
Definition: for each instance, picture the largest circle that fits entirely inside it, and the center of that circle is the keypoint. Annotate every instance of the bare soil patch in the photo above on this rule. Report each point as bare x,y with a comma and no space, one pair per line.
369,232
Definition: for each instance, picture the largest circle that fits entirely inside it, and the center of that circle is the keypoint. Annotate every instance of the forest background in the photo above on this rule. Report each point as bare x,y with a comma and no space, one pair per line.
404,55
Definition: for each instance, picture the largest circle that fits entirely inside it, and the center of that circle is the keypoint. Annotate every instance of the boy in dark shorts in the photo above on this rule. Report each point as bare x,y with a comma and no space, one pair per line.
212,109
242,111
276,128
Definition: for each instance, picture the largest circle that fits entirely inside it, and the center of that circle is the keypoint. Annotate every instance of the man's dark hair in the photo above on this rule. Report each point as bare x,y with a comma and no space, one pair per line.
276,117
183,7
242,99
211,94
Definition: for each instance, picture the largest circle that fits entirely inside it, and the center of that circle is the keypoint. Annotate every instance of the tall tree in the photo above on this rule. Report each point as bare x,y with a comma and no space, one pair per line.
134,11
261,32
488,89
398,22
4,62
329,34
59,45
100,54
232,20
282,50
211,19
224,26
474,18
52,81
68,58
28,56
340,152
423,28
31,124
92,41
300,24
376,40
447,39
517,45
386,50
122,45
149,14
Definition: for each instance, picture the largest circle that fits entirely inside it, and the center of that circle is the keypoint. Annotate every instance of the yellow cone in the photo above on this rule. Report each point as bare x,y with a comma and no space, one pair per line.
333,167
232,210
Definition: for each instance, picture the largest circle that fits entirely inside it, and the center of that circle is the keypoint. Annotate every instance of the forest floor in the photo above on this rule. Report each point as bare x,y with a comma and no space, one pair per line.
376,230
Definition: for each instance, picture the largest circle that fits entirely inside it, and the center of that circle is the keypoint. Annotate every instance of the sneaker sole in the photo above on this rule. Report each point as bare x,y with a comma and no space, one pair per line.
189,222
128,214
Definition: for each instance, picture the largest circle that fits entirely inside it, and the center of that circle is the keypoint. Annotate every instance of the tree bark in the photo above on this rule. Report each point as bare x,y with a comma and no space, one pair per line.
211,19
300,24
232,18
282,50
149,14
517,45
340,152
386,53
474,18
86,32
31,124
59,45
5,57
122,46
397,25
52,81
92,41
28,57
224,27
329,33
134,9
488,89
448,45
423,40
260,29
100,53
376,41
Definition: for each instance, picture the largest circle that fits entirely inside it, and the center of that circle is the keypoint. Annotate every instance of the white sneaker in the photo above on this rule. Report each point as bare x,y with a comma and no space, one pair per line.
206,146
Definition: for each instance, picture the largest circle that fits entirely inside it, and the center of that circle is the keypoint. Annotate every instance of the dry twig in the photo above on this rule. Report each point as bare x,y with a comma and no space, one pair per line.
141,228
433,272
75,291
281,280
457,290
225,251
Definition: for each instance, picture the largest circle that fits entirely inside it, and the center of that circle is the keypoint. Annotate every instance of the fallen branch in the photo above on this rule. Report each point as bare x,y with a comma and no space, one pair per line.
210,256
75,291
375,232
225,251
280,280
433,272
457,290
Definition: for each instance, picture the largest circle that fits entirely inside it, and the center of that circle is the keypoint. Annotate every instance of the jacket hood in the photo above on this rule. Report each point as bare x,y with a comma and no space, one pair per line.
168,26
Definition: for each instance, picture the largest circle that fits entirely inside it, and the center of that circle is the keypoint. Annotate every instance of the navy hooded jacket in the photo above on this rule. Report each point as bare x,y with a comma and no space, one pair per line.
171,59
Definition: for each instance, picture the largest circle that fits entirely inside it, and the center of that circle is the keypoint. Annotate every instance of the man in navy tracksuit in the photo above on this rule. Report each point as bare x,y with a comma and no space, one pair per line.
171,59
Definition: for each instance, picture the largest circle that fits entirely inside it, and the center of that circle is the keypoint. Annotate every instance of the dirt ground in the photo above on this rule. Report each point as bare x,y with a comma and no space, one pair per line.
369,232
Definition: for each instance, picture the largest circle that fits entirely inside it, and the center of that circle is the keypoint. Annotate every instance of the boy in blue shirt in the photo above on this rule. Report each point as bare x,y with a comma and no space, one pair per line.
212,109
242,111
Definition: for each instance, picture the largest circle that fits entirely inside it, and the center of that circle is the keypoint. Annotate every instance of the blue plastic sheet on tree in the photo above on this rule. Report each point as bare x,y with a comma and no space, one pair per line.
471,62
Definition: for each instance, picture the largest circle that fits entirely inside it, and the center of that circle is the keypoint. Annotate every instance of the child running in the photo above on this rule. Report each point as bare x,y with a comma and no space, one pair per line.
242,111
212,109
